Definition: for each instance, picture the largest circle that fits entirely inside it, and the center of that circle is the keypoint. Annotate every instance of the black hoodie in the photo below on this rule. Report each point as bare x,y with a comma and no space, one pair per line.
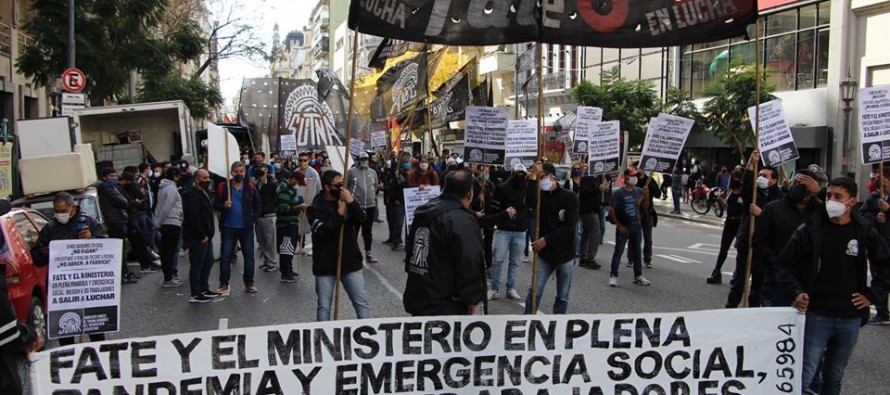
559,213
445,263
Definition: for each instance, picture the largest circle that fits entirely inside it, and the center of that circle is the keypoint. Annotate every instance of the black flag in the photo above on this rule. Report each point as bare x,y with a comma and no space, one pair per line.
387,49
305,117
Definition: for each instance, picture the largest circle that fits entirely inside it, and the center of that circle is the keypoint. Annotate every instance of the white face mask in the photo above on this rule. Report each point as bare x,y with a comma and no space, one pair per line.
632,181
424,166
546,184
762,182
63,218
835,209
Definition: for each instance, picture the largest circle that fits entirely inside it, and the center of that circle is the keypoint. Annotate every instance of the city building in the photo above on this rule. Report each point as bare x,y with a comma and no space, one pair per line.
20,98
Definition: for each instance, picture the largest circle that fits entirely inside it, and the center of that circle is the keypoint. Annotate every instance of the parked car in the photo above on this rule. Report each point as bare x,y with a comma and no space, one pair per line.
26,283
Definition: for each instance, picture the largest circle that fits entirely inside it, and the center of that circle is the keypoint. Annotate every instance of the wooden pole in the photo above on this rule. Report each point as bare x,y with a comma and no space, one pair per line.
537,186
302,243
228,164
345,170
752,218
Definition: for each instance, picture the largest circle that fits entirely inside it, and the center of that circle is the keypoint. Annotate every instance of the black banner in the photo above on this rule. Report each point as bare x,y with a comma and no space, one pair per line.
259,105
528,60
616,23
327,81
387,49
307,118
404,85
453,97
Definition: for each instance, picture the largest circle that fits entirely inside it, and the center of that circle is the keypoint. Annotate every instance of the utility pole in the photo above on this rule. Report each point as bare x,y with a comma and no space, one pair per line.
71,63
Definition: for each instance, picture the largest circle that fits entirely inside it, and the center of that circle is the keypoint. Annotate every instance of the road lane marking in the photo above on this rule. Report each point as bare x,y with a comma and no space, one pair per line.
674,258
385,282
689,260
223,323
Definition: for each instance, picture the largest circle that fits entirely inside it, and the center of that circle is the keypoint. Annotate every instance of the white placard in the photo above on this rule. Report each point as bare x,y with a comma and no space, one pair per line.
356,146
485,135
83,291
666,139
337,155
738,351
415,198
288,142
586,122
522,143
874,123
222,150
605,148
776,143
378,140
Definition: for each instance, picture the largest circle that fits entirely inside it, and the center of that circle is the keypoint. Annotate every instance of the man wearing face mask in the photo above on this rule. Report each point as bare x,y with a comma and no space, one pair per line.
267,187
313,179
648,218
875,209
168,217
197,236
290,207
625,210
240,206
423,176
824,270
362,183
775,226
395,179
510,237
114,204
483,197
768,191
556,243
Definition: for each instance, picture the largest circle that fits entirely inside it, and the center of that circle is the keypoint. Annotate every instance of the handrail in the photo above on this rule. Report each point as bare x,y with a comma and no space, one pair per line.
5,39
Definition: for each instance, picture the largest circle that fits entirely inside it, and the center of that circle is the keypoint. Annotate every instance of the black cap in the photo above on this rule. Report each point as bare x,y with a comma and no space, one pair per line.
815,172
549,168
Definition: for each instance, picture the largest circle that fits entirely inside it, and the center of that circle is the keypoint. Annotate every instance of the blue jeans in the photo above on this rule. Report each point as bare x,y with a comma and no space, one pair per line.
201,261
530,233
577,238
245,238
353,283
563,285
675,194
634,239
146,222
395,219
830,341
603,211
507,244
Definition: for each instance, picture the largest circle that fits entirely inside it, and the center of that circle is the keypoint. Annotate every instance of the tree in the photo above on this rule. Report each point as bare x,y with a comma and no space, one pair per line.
232,34
199,97
631,102
726,112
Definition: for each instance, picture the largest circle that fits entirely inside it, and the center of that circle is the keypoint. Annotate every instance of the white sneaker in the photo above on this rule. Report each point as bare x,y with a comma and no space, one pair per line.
613,281
642,281
526,259
492,295
512,294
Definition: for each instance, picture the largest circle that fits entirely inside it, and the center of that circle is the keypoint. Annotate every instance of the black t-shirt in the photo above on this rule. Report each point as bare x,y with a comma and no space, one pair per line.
735,205
836,282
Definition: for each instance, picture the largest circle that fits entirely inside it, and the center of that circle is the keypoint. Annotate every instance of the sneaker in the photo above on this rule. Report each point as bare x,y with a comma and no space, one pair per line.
269,268
183,253
512,294
199,299
640,280
130,278
590,265
878,321
223,290
288,279
395,246
251,289
211,294
526,259
716,278
648,265
387,242
171,284
630,264
492,295
613,281
370,259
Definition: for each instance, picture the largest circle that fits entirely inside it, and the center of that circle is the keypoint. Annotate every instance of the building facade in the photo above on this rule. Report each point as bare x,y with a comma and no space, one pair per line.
20,98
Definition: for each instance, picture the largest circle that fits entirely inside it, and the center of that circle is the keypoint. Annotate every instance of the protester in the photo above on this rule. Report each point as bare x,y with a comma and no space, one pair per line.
625,211
875,209
445,262
197,235
510,237
590,201
240,205
423,176
362,183
266,221
145,216
114,204
259,161
648,217
331,210
676,188
313,179
483,205
824,269
395,179
17,341
188,178
735,205
573,183
555,245
290,207
169,217
139,250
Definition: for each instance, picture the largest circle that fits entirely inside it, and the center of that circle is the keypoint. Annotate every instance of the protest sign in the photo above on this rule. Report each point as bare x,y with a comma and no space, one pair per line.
605,148
742,351
485,135
288,142
83,294
522,143
378,140
356,146
666,138
415,198
337,155
776,143
874,123
586,122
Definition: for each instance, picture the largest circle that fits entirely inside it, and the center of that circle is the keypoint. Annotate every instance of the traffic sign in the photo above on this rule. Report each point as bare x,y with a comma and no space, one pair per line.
73,80
74,98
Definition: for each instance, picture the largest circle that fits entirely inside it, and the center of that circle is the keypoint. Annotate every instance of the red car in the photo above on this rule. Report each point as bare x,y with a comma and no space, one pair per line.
26,283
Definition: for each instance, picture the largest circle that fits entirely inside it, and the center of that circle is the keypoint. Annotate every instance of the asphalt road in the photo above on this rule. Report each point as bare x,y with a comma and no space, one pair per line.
684,255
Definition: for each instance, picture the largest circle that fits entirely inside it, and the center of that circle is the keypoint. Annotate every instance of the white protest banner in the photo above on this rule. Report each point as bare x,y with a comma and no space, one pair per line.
415,198
522,143
666,140
874,123
776,143
586,122
356,146
605,148
83,294
222,150
288,143
337,155
378,140
739,351
485,135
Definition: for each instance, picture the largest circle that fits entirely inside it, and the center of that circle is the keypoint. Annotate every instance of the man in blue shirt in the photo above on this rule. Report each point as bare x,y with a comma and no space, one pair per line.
627,204
240,206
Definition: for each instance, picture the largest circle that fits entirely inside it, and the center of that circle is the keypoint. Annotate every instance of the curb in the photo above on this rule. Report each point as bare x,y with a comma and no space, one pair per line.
703,220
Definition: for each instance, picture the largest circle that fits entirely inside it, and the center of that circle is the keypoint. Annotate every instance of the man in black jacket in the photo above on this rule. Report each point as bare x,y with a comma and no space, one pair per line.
444,261
114,204
590,199
16,341
395,179
330,211
556,245
197,236
510,237
875,209
824,269
265,222
648,217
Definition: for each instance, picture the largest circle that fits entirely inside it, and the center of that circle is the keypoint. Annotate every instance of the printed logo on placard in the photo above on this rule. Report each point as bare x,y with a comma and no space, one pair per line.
311,120
514,162
405,88
582,148
421,250
853,248
874,152
70,324
774,157
651,164
599,167
476,155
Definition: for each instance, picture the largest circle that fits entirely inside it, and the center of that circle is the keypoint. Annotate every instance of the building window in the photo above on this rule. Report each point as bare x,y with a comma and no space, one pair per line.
794,52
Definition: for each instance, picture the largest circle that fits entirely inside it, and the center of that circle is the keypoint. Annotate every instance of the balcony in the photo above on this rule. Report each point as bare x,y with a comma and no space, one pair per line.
5,39
24,40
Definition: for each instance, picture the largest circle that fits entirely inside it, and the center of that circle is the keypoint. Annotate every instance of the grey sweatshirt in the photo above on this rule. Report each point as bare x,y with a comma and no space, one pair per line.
169,208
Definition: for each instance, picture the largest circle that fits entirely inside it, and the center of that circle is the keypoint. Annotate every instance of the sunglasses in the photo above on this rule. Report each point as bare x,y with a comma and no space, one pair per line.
337,186
304,160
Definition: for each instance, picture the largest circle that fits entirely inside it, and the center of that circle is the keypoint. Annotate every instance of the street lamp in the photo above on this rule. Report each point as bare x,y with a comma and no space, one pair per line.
848,94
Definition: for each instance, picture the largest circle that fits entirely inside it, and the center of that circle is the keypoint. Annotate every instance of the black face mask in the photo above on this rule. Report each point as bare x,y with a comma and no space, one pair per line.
797,193
336,192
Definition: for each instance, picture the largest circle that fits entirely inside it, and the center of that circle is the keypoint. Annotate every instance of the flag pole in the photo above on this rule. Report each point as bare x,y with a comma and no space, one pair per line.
537,186
751,218
229,165
345,169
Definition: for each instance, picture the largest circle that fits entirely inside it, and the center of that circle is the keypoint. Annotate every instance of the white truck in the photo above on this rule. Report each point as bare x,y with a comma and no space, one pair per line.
126,135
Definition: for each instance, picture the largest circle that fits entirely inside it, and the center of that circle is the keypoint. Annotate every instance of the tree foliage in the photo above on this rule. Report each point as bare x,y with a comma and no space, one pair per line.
631,102
200,98
726,112
679,102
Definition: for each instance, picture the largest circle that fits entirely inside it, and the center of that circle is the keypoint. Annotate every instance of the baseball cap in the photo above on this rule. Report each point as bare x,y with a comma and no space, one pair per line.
450,160
362,155
814,171
519,167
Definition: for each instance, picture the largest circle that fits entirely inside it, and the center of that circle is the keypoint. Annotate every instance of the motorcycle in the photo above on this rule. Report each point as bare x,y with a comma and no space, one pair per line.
703,198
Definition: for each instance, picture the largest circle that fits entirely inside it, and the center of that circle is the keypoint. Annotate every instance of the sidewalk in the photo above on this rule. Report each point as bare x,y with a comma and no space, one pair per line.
664,208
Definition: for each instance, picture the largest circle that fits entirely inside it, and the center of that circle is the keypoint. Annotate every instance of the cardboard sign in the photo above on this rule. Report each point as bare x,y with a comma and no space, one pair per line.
874,123
605,148
415,198
485,135
522,143
666,139
378,140
586,122
776,143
